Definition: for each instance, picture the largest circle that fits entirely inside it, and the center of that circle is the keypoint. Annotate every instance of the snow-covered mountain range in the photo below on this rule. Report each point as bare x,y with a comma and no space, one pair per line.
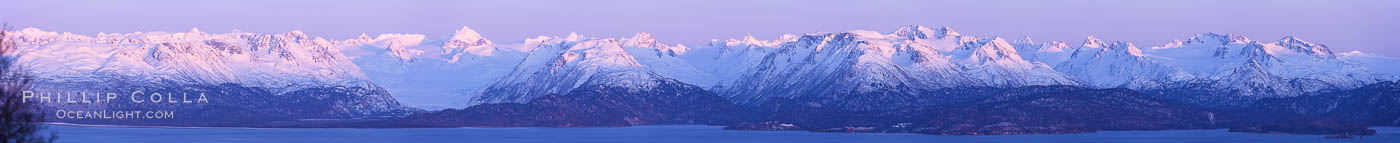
268,60
464,68
435,73
1284,68
904,62
251,78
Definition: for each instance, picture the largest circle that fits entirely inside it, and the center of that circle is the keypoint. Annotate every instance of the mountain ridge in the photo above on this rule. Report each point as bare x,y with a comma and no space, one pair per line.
907,59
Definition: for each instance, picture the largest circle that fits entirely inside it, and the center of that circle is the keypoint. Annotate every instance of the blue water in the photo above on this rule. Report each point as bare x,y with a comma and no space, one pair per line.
660,134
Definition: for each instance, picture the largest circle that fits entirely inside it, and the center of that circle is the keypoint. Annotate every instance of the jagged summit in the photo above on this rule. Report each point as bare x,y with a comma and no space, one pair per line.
945,31
921,32
748,38
996,49
466,37
646,41
1095,47
642,39
1050,53
1126,48
467,41
1093,42
1024,39
466,34
749,41
1300,46
1218,38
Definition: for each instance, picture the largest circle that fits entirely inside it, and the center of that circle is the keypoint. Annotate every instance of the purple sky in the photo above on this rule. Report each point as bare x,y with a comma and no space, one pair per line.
1345,25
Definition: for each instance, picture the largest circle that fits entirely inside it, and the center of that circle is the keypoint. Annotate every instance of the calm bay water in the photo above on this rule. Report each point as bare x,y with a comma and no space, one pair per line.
661,134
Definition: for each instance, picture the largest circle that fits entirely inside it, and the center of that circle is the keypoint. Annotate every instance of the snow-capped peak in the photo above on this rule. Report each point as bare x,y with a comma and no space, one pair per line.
467,40
298,34
1098,47
195,30
911,32
1092,45
1218,38
364,37
642,39
1051,53
1125,47
1093,42
996,49
398,46
1175,43
1300,46
1054,46
466,37
748,39
466,33
921,32
646,41
573,36
945,31
1024,39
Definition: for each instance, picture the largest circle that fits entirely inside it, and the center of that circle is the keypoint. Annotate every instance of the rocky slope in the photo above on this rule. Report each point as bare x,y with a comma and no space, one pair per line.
608,99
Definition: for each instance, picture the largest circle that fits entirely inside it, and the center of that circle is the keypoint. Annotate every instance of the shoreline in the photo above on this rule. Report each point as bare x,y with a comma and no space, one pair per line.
255,128
656,125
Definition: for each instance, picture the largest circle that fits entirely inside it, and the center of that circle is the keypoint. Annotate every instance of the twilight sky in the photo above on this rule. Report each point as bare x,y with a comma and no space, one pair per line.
1345,25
